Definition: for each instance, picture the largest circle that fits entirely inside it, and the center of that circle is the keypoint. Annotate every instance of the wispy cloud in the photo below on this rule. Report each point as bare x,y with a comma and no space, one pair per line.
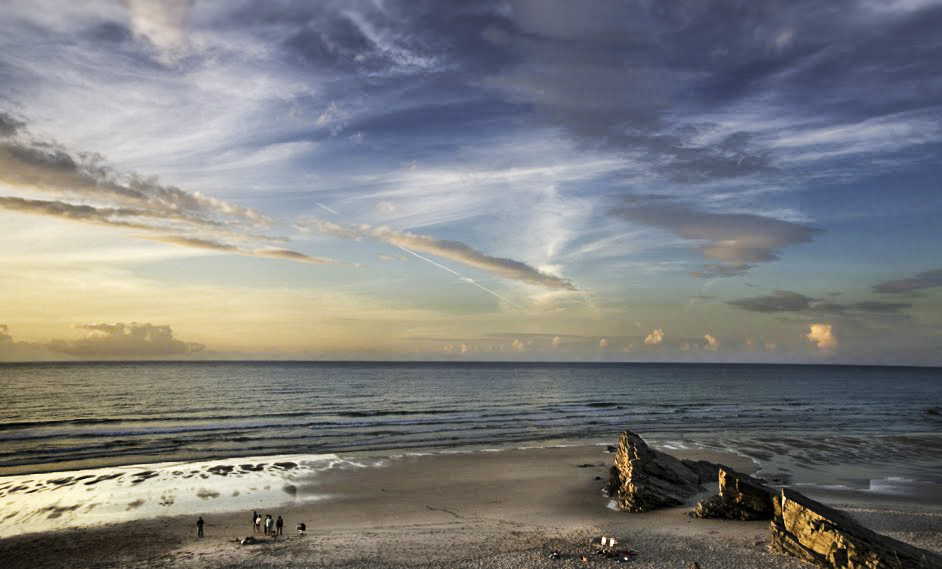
451,250
736,240
788,301
272,253
922,281
126,200
162,24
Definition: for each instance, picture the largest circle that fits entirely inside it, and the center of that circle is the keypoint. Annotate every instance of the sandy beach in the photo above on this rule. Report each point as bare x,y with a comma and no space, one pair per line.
484,509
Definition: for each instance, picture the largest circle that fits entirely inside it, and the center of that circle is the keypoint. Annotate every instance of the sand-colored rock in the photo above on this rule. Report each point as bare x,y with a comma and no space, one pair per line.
829,538
741,497
643,479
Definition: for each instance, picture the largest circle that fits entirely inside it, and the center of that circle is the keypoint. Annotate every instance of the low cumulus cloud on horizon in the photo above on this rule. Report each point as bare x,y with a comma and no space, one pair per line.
105,340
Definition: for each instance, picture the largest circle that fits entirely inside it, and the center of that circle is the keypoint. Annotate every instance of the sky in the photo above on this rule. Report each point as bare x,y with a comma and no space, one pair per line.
532,180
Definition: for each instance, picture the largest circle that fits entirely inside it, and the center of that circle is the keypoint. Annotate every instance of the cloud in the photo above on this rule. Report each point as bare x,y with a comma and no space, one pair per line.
736,240
654,338
788,301
451,250
49,167
779,301
198,243
822,335
712,344
11,350
163,24
87,213
127,200
924,280
9,125
387,208
125,340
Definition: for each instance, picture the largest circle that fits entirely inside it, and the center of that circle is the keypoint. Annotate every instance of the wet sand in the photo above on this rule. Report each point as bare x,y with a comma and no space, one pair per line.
483,509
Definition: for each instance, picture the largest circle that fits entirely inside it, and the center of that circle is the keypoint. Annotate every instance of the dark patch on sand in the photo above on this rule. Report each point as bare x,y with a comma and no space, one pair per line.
104,477
18,488
135,504
253,467
235,493
221,469
285,465
8,516
57,511
205,494
166,500
290,489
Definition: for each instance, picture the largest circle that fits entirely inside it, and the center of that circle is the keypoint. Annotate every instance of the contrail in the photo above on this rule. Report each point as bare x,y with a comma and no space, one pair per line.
325,207
463,278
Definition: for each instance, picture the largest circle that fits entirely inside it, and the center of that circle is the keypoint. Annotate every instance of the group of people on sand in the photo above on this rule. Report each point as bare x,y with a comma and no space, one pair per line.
267,525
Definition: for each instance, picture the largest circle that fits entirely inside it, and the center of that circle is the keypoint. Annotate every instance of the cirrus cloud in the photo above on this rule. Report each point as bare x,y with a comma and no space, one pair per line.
447,249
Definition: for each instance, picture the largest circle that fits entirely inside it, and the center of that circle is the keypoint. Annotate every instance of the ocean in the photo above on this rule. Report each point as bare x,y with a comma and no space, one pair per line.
870,428
63,416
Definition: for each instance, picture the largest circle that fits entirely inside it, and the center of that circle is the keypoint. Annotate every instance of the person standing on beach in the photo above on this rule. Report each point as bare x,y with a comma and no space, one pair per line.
258,523
255,522
199,527
268,522
279,525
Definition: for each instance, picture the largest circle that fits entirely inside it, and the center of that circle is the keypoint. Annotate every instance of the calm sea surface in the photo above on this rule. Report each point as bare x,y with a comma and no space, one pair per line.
68,416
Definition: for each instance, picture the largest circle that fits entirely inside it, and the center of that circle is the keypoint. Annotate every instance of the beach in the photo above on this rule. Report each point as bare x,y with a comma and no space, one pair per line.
506,508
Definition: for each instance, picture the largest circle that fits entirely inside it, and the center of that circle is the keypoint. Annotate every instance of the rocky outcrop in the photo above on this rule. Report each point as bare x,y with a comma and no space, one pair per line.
826,537
644,479
741,497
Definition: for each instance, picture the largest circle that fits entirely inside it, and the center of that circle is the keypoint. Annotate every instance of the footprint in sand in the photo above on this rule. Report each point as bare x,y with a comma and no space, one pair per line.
135,504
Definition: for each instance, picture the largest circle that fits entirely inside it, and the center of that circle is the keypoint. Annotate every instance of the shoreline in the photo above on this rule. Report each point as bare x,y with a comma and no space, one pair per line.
501,508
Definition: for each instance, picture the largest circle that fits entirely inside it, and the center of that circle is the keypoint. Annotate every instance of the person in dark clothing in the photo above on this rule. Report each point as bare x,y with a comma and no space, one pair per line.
279,525
199,527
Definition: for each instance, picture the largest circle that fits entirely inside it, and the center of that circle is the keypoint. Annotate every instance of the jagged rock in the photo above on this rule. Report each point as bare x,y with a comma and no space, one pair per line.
705,470
644,479
741,497
818,534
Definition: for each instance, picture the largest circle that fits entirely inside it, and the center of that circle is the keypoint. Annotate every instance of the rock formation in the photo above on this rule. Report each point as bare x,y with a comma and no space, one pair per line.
644,479
741,497
826,537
